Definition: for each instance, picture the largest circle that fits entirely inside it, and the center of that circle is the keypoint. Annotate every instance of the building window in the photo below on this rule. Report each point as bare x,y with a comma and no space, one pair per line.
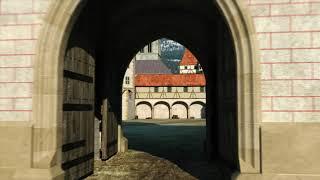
149,48
185,89
127,80
186,67
202,89
156,89
169,89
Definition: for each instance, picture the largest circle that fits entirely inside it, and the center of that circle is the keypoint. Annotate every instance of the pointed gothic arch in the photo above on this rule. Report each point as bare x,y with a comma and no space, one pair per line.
47,91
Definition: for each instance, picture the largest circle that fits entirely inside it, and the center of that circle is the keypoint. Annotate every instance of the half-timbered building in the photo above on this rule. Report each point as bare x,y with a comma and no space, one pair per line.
157,93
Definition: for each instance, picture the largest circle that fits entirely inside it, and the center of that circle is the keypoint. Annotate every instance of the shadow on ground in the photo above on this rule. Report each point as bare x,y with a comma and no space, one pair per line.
181,142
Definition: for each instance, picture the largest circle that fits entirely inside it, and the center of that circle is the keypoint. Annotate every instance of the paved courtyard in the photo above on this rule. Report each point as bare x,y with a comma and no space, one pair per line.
179,141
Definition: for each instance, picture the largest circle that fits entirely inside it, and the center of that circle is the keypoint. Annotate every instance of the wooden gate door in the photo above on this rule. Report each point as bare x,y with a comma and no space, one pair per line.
78,114
109,131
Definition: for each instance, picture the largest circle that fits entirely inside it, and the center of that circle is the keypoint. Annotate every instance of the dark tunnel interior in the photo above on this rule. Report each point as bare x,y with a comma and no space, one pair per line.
113,31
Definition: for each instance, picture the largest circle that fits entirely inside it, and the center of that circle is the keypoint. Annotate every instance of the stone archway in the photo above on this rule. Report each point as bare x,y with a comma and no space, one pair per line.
47,92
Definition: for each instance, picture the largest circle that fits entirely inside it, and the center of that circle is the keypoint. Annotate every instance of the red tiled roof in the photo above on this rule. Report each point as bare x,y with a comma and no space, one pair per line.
188,59
145,80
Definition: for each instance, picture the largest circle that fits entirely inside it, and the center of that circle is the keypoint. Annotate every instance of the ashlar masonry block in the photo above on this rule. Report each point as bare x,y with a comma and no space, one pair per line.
306,55
15,89
7,75
8,20
16,6
316,101
265,71
272,24
41,5
276,88
305,23
260,10
316,39
291,40
307,117
292,103
276,116
290,9
264,40
30,18
292,71
268,1
6,104
306,88
24,75
15,116
7,47
16,47
315,8
25,47
275,55
266,103
23,104
16,61
15,32
316,70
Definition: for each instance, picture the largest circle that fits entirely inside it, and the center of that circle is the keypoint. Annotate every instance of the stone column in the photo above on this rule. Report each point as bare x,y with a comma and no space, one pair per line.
188,112
152,112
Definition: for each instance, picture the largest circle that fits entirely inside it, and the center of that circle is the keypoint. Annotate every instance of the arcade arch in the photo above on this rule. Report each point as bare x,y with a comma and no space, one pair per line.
161,110
180,110
197,110
144,110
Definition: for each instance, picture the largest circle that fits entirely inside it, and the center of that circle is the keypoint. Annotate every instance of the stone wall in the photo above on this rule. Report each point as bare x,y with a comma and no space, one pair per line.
20,22
288,32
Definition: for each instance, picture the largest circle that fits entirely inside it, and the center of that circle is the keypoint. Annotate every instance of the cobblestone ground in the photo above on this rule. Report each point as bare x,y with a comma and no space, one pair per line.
173,144
136,165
